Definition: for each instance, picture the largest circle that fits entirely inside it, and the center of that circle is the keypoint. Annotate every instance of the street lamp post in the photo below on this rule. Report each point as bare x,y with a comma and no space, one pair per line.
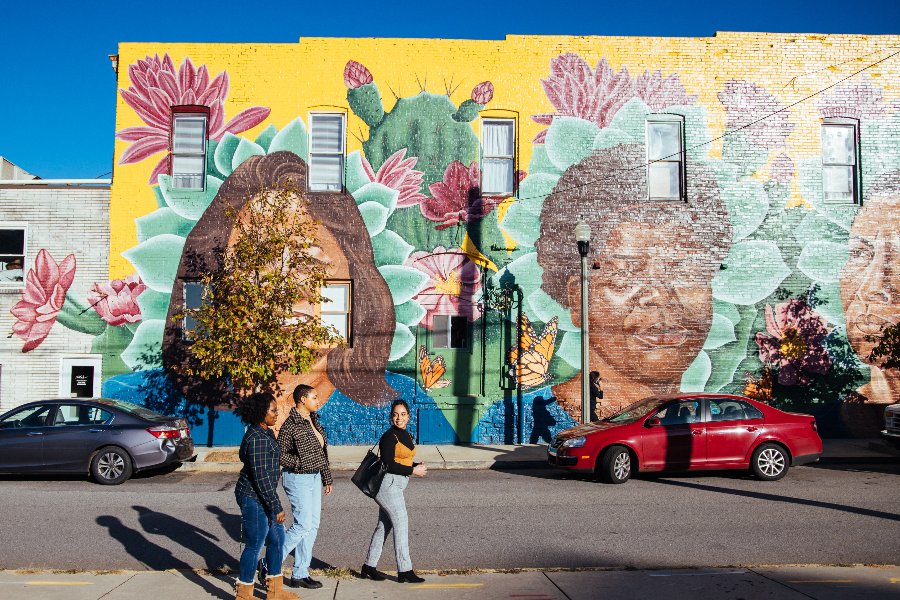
583,237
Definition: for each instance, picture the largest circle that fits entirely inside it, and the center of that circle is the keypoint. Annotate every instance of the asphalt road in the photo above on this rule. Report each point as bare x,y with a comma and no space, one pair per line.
475,519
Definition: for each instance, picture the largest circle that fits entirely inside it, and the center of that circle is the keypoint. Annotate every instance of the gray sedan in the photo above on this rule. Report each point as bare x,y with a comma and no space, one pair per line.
110,439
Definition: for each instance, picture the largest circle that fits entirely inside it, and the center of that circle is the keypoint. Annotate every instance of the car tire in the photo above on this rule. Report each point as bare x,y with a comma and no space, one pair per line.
770,462
111,465
616,465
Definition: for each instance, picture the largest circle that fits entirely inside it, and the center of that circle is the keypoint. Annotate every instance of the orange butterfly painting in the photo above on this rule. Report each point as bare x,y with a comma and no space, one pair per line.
530,359
432,370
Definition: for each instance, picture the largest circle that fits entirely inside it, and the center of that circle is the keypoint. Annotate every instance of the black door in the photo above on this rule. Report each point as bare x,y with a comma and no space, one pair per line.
22,438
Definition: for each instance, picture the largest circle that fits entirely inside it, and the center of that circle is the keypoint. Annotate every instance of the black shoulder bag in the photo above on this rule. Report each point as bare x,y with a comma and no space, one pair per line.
369,474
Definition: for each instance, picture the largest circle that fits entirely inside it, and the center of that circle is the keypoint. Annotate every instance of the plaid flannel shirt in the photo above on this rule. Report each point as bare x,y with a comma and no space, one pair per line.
259,477
300,450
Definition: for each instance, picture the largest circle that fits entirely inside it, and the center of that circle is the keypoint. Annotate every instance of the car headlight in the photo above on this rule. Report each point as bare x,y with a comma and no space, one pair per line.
576,442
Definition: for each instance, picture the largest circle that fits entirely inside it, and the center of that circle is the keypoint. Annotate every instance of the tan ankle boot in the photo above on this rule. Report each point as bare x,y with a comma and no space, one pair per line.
244,591
275,591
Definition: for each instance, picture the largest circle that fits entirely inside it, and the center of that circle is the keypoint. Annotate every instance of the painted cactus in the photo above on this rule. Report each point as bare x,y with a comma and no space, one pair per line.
429,126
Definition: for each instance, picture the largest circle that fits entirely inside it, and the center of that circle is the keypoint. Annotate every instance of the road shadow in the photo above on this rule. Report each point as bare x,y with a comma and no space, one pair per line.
866,512
156,557
146,474
882,467
231,523
200,542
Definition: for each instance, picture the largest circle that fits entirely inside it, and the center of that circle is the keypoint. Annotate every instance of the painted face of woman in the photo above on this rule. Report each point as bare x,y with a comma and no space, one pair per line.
400,417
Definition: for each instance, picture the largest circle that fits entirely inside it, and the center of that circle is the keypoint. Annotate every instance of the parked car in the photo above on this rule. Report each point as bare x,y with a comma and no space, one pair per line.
109,439
891,430
689,432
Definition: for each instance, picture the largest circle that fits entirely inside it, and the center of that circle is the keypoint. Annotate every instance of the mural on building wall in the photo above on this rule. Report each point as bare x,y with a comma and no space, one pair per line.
752,290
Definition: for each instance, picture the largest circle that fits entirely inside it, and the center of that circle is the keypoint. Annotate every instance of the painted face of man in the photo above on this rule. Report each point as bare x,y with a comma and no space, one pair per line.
650,302
870,279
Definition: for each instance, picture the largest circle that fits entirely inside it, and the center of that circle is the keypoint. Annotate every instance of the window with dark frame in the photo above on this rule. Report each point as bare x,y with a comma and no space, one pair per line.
665,157
840,161
498,149
193,299
326,152
449,331
12,255
189,150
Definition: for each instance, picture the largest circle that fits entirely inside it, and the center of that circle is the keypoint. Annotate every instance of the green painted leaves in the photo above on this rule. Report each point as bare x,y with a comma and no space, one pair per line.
751,272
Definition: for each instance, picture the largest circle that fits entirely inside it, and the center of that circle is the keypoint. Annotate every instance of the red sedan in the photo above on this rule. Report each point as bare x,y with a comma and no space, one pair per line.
689,431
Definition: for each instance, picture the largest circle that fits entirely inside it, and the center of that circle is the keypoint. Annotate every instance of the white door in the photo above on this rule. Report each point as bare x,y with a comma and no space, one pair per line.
79,376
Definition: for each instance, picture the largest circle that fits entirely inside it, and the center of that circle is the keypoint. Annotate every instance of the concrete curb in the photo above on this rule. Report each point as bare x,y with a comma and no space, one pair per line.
531,456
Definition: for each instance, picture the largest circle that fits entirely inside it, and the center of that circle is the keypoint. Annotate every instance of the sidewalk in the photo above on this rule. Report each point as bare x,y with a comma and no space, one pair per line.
779,582
475,456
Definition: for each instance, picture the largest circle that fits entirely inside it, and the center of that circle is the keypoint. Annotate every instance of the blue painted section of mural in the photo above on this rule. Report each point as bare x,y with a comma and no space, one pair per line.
543,417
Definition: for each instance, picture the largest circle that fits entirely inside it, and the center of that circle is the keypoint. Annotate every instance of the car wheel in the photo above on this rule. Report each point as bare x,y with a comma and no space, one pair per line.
616,465
770,462
111,466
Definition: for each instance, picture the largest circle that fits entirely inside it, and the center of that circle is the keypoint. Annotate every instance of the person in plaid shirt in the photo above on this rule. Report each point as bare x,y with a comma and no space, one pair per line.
256,492
304,457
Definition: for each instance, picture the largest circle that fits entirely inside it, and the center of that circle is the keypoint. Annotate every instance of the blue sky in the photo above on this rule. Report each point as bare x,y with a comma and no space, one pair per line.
58,92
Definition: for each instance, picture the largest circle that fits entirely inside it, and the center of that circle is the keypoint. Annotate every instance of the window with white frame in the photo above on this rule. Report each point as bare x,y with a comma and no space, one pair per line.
449,331
326,152
840,160
498,149
189,151
336,307
194,291
665,157
12,254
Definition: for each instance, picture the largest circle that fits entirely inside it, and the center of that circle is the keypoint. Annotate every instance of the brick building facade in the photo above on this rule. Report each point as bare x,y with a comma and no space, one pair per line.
741,191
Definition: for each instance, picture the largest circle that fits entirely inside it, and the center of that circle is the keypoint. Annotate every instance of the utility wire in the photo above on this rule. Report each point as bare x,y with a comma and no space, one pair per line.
609,174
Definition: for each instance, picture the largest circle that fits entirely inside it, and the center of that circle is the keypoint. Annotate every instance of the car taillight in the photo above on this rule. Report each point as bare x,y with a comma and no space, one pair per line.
813,423
164,432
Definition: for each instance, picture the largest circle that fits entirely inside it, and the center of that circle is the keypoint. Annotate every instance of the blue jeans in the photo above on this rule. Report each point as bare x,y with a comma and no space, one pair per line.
257,529
304,490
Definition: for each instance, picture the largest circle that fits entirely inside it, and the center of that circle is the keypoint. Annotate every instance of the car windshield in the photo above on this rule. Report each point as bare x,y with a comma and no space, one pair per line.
633,412
132,409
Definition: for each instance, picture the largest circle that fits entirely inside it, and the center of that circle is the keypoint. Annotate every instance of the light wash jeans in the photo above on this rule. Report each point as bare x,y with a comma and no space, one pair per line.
391,515
304,490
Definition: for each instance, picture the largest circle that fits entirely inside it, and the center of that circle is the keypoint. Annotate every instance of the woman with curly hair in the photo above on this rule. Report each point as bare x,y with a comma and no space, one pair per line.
256,492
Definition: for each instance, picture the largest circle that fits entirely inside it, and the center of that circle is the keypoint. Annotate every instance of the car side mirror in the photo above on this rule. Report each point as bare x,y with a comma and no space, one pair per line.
652,422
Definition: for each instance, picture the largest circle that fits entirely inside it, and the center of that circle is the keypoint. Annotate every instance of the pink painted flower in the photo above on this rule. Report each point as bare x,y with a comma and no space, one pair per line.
45,292
658,92
483,92
454,282
794,342
356,75
783,169
156,86
398,174
575,90
457,199
116,301
748,103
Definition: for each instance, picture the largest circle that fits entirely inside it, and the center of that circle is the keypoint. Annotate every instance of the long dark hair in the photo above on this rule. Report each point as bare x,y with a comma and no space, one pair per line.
357,371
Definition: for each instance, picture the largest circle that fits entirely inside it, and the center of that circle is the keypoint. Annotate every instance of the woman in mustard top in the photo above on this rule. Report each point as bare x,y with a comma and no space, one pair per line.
397,453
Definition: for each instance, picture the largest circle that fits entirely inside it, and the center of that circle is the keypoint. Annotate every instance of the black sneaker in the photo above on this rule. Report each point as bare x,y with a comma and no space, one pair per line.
261,572
306,582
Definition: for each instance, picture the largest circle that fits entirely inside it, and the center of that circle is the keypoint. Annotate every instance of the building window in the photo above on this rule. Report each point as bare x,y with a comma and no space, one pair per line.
193,299
449,331
326,154
665,157
12,254
189,151
498,149
336,308
840,160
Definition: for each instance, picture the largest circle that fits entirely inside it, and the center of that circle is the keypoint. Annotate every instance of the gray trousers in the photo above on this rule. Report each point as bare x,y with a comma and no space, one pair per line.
391,515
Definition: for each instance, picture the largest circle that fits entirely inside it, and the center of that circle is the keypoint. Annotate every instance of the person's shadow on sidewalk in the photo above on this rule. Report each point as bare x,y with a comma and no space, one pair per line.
155,557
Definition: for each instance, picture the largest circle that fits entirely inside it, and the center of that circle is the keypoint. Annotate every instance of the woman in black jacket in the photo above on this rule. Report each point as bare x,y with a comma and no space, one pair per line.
397,453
